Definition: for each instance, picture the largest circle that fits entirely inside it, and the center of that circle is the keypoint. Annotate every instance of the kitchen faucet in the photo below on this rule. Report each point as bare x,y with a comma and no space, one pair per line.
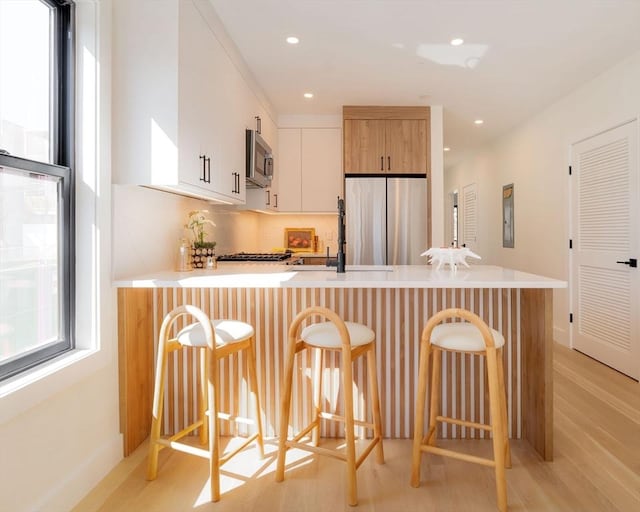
339,263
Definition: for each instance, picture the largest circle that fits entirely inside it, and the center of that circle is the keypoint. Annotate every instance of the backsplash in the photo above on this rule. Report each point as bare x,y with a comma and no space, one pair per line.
271,230
148,225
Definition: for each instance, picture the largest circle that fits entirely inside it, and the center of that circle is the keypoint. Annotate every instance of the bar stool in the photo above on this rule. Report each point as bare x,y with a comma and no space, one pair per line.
352,340
230,336
472,337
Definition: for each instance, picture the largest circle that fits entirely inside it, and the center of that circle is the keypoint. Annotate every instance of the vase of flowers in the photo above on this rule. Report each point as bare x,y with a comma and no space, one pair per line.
202,251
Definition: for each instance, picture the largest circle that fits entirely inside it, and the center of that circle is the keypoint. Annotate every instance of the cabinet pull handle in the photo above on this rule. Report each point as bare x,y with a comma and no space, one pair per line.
275,197
382,163
208,169
268,197
238,180
204,172
388,163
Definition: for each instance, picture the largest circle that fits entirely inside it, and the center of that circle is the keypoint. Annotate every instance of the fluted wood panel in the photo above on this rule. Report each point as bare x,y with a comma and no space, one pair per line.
396,315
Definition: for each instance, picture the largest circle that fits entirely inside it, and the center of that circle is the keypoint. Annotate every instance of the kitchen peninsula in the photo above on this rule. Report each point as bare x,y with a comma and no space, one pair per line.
395,301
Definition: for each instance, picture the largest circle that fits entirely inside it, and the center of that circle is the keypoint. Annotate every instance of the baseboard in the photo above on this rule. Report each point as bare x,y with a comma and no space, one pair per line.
74,486
561,336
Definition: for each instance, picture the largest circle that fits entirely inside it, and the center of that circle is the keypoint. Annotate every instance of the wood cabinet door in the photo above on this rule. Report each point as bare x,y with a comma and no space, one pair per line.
364,146
406,146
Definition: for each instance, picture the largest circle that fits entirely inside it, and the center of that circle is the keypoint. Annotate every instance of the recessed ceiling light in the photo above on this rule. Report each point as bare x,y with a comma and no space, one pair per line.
293,40
457,41
478,121
446,148
308,95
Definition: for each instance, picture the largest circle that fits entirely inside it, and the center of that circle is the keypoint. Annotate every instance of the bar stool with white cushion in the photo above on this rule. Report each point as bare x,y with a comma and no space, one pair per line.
230,336
352,340
473,337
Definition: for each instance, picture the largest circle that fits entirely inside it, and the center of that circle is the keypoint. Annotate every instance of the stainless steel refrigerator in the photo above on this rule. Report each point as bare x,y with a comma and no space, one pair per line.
386,220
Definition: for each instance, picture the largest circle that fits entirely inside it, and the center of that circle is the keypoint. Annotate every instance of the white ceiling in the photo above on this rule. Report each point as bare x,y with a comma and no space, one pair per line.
519,55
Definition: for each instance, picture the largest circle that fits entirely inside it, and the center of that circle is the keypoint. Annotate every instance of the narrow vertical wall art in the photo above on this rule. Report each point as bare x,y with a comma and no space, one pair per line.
507,216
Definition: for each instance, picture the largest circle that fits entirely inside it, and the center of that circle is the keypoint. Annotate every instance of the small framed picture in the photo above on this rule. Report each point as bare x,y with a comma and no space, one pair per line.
299,239
507,216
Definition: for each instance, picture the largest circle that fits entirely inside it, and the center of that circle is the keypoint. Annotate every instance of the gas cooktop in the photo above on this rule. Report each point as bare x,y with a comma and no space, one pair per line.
255,256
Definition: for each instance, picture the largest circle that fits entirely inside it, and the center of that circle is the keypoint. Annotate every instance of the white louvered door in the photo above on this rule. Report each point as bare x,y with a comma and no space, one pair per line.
605,290
470,216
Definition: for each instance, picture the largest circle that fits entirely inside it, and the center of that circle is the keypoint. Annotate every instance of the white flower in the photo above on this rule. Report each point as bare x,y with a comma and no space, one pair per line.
196,223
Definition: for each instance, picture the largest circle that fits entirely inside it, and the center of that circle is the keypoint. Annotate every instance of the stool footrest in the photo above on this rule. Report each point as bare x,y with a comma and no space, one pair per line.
464,423
225,457
306,430
237,419
182,447
203,452
188,429
367,450
457,455
335,417
317,449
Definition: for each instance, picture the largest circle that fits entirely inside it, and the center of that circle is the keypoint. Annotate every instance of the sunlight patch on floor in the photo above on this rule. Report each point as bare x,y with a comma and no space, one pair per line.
247,466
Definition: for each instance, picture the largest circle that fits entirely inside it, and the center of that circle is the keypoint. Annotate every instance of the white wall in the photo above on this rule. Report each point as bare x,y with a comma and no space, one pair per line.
535,157
59,424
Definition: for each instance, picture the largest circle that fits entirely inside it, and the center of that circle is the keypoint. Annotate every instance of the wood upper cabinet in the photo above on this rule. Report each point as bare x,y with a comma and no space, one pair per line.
386,140
364,148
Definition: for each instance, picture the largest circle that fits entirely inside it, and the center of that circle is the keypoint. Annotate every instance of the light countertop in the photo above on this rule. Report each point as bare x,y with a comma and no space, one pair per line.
256,275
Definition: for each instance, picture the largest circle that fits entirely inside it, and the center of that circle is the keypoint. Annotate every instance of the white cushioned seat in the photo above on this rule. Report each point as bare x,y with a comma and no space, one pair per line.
462,336
226,331
325,334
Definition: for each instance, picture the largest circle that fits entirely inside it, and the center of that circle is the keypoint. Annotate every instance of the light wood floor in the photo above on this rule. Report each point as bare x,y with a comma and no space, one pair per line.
596,466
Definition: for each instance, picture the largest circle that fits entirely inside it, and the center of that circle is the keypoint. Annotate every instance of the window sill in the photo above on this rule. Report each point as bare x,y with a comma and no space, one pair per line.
24,391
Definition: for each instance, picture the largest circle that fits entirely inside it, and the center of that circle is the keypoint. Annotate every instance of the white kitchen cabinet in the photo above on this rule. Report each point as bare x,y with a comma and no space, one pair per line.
180,104
309,169
287,189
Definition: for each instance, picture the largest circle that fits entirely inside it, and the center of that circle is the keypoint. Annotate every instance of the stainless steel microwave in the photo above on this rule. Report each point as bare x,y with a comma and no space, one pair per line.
259,161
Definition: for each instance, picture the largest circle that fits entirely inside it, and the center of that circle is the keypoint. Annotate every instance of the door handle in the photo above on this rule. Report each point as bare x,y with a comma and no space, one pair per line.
633,262
268,197
382,163
275,198
388,163
208,160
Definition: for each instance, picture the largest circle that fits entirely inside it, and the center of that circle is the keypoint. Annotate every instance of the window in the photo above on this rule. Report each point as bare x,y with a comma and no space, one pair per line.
36,182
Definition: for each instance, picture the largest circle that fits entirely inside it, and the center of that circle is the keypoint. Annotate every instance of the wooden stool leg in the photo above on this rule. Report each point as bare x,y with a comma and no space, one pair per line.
158,399
434,403
375,402
503,406
418,431
211,377
203,401
285,410
317,394
497,427
349,427
255,392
